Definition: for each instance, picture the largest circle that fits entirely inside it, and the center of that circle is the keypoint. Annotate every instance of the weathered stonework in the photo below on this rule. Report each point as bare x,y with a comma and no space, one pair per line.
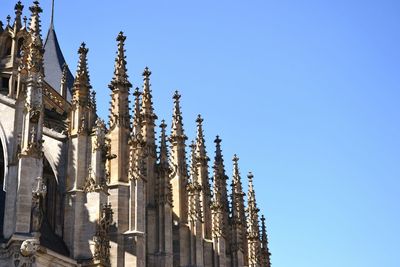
75,192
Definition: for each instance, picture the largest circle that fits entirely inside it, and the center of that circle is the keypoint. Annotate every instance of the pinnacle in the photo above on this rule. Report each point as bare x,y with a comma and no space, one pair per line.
163,125
120,71
35,54
163,144
136,109
146,73
35,20
121,37
250,176
177,124
137,93
176,96
19,6
147,104
199,120
200,142
82,49
218,153
35,8
82,80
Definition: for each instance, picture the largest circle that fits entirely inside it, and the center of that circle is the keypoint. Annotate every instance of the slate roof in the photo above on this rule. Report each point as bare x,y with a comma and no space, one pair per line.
53,63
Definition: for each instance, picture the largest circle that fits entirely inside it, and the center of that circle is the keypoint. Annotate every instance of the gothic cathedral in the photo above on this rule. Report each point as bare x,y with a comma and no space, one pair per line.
76,191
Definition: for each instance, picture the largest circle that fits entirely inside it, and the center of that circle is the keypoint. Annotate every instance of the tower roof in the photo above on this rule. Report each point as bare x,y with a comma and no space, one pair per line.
54,62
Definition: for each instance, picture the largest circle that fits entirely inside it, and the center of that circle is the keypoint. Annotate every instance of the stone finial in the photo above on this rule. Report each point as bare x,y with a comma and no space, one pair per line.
238,215
34,26
164,192
177,131
220,205
82,85
25,20
120,78
93,102
147,104
200,142
136,112
253,233
35,47
146,73
18,12
8,18
19,7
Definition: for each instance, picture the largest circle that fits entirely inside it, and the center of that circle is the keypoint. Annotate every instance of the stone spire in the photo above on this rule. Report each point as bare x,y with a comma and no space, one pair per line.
163,146
35,48
253,234
164,256
81,87
220,208
194,189
147,104
177,124
202,165
148,118
137,121
200,142
147,115
18,12
179,183
220,195
238,218
120,78
164,192
119,115
265,254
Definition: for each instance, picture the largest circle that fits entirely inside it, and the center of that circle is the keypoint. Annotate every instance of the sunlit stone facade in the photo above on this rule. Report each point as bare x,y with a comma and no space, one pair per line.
76,191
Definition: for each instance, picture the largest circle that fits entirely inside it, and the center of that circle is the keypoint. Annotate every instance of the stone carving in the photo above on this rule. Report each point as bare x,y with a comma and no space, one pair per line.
29,247
38,192
101,239
90,183
34,147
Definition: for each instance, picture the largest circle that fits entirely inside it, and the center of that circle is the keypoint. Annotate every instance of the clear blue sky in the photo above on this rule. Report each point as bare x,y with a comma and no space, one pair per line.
305,92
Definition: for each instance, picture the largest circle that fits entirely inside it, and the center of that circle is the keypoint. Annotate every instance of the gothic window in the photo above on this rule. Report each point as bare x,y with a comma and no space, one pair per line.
52,225
7,48
53,201
2,192
4,85
20,43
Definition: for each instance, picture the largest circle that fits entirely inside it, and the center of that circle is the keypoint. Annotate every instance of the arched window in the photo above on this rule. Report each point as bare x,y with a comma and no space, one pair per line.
52,204
7,47
53,219
2,192
20,43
